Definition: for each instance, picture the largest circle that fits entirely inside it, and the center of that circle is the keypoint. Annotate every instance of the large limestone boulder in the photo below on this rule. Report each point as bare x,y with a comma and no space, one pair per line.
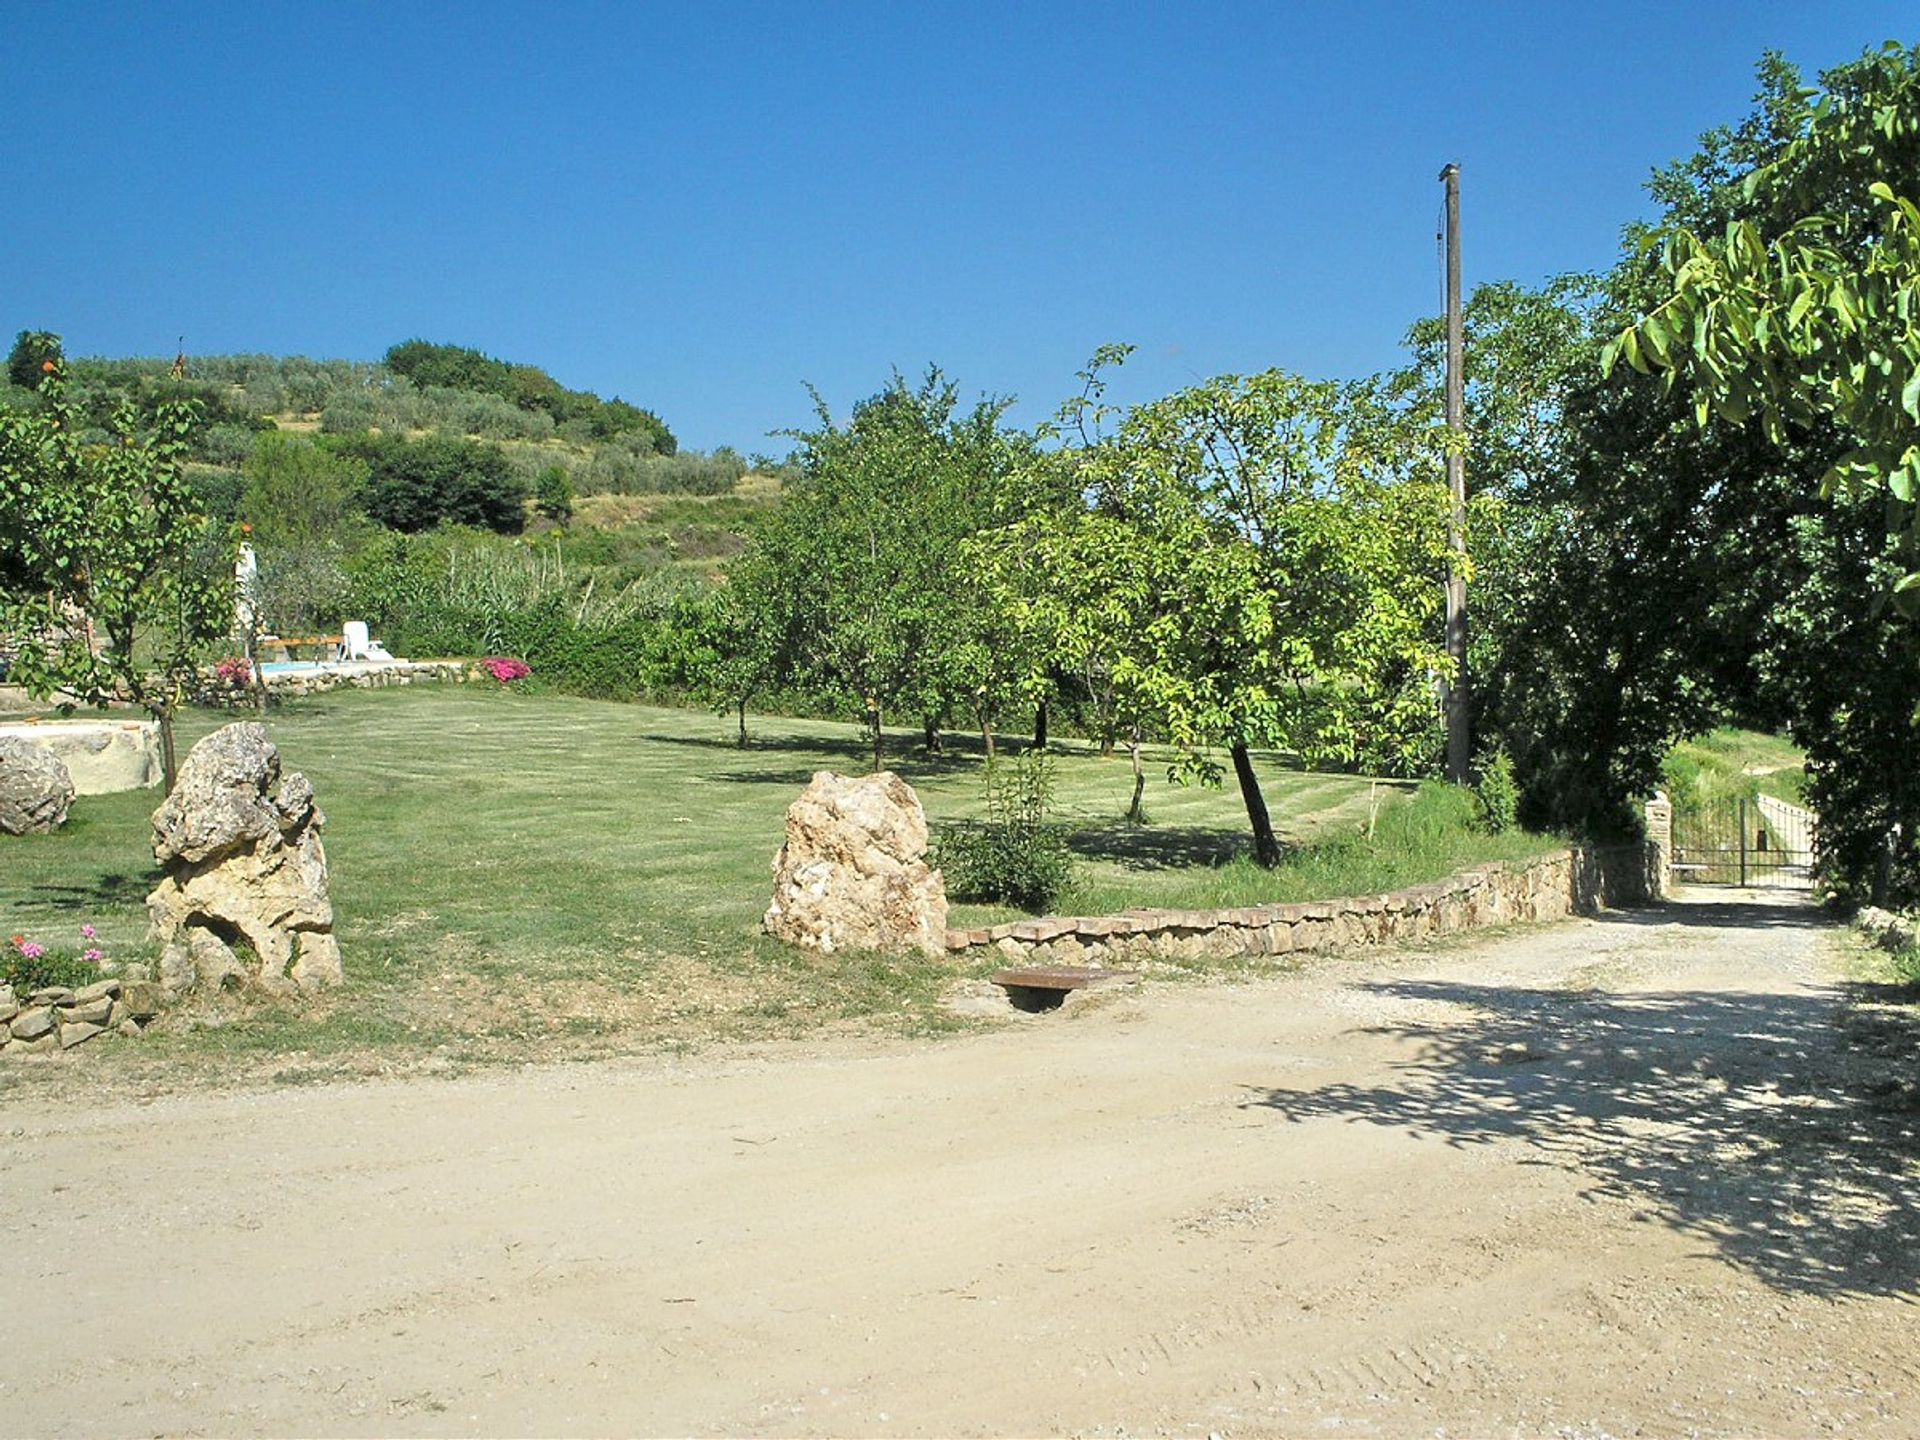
852,874
35,788
244,866
103,755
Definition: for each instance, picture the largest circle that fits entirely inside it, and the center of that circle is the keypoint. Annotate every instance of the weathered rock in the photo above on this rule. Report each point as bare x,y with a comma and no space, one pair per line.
73,1033
35,788
142,998
40,1044
87,1012
109,988
244,867
9,1007
50,995
852,873
32,1024
129,1028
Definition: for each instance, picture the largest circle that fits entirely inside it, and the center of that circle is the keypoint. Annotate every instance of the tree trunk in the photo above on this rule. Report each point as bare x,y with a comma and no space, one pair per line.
1266,847
986,734
1040,726
931,729
169,757
1135,815
878,716
743,722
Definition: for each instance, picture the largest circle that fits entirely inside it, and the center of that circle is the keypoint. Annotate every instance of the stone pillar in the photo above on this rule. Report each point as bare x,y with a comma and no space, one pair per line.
1659,821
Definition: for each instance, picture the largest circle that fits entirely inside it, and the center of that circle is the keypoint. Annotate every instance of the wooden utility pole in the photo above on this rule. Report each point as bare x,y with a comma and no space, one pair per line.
1459,719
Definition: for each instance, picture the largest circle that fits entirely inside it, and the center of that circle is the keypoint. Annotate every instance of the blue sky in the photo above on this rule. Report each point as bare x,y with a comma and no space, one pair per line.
701,207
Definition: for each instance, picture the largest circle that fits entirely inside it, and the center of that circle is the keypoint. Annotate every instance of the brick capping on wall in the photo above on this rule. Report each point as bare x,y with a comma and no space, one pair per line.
1577,881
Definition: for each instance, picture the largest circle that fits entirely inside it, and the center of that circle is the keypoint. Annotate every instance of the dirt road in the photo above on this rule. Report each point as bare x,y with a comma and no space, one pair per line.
1643,1175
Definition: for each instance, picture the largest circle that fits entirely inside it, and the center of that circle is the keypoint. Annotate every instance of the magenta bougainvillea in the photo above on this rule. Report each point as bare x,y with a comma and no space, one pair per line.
506,669
234,670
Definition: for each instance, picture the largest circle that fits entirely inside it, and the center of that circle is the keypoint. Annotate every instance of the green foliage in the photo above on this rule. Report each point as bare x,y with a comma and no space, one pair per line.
1016,856
51,967
1805,310
1498,790
108,544
33,351
414,485
862,600
553,494
1256,565
528,388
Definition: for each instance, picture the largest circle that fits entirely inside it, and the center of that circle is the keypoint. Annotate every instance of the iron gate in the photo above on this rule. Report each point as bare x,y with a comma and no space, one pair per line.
1752,841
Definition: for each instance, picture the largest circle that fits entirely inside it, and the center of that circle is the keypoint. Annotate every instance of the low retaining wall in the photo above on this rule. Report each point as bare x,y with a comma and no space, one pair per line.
1579,881
296,683
404,672
59,1018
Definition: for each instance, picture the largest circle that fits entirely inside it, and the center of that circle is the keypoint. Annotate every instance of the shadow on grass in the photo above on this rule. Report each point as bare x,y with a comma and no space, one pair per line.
851,757
1777,1129
1157,847
107,890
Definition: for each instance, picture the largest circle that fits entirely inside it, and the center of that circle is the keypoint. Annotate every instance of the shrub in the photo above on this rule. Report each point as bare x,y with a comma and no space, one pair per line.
553,494
1016,857
1498,790
415,485
27,965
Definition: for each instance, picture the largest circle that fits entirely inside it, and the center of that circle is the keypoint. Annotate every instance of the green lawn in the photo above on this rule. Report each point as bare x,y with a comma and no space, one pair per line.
508,867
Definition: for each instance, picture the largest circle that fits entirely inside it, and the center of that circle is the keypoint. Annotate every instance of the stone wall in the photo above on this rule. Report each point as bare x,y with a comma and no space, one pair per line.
1579,881
296,683
58,1018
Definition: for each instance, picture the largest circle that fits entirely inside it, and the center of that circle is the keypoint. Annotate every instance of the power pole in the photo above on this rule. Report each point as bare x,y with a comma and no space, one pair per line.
1459,721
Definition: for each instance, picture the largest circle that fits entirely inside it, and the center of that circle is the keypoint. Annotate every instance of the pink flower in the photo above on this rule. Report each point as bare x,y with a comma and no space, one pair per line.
32,951
87,932
506,669
96,956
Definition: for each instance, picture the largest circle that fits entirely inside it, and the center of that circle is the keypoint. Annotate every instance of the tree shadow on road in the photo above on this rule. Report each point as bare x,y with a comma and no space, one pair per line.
1787,913
1777,1129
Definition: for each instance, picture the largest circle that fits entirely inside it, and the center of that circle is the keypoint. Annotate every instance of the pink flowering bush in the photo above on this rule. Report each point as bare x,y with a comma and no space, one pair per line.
506,669
235,670
27,965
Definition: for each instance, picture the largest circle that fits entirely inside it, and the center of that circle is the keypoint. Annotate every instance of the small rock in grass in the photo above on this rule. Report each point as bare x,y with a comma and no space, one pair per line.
130,1029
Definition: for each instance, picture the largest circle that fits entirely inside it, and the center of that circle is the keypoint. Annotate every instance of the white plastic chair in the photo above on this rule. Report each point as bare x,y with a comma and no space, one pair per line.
355,644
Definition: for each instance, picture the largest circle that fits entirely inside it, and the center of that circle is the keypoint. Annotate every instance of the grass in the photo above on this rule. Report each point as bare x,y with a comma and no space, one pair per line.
1730,762
511,870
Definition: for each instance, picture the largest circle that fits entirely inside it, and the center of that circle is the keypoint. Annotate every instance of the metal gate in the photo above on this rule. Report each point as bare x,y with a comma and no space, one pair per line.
1752,841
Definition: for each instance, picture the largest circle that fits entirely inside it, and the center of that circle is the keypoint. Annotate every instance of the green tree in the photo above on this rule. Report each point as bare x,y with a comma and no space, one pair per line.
33,351
116,583
553,494
1262,557
414,485
1805,310
863,557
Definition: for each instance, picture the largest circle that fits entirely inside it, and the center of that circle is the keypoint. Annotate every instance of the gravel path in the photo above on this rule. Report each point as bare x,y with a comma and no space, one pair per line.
1651,1174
